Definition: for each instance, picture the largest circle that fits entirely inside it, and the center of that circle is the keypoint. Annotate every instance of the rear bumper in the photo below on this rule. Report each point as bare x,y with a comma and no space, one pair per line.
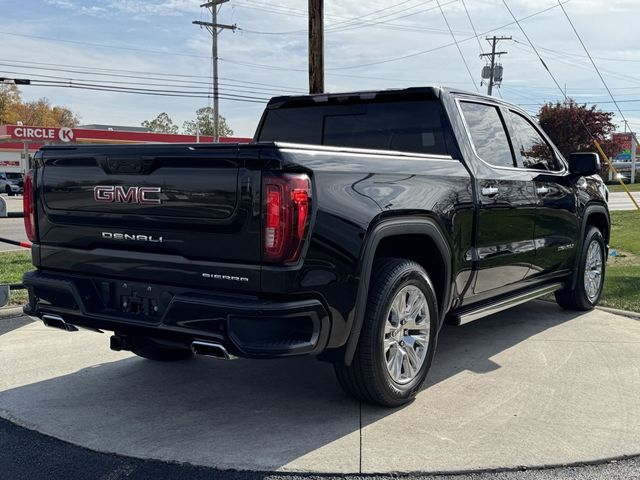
247,326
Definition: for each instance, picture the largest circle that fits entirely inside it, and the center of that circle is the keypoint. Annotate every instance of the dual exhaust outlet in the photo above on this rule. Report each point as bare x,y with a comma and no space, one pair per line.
118,342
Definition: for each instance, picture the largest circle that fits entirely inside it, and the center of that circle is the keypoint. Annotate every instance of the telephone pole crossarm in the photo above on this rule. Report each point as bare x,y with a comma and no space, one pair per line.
215,25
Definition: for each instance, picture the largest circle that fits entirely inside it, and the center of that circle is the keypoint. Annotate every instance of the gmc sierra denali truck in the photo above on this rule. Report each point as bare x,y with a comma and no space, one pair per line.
350,229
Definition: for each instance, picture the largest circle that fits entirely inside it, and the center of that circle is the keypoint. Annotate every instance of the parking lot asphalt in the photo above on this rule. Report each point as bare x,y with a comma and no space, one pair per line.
13,229
28,455
534,386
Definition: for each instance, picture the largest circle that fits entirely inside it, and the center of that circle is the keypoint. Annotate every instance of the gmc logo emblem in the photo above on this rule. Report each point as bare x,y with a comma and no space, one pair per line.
118,194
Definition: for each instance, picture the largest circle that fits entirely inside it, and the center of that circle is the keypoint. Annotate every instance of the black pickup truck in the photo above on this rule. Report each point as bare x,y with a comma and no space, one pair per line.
351,228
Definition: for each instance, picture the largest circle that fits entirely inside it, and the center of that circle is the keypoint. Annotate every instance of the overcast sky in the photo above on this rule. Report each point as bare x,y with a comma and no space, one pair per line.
369,45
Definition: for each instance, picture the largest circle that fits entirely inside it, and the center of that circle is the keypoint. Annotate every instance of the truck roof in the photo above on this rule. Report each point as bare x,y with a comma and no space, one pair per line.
432,91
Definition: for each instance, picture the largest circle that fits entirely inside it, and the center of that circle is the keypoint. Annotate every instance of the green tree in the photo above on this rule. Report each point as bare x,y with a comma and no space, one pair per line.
204,123
161,124
565,124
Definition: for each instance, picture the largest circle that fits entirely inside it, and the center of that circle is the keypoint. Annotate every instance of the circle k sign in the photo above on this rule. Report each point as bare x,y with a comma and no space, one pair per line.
65,134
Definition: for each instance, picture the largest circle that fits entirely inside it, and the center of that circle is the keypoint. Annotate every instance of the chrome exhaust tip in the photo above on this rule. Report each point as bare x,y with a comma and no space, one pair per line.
56,321
210,349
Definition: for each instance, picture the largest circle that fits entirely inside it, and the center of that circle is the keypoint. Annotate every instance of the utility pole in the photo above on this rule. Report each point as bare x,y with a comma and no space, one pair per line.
316,46
215,28
492,69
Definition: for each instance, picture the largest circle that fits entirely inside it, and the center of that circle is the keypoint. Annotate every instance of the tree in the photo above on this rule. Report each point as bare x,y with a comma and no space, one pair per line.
204,123
9,99
563,122
39,112
161,124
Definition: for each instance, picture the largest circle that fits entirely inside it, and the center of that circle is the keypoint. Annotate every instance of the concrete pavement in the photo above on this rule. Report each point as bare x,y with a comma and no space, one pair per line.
528,387
621,201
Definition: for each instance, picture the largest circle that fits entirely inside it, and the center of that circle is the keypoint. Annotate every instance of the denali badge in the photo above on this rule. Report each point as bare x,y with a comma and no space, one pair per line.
135,238
229,278
120,194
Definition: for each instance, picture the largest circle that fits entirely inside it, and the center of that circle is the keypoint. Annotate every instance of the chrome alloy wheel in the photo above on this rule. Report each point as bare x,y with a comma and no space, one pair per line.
406,334
593,271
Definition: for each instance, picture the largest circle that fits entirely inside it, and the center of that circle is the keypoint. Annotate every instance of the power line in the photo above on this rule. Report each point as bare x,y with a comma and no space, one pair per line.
173,83
102,45
562,58
595,67
352,23
140,74
458,47
534,48
149,92
125,84
423,52
473,27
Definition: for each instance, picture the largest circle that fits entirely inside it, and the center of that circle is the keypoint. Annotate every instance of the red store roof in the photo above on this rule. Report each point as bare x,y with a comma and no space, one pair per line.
14,136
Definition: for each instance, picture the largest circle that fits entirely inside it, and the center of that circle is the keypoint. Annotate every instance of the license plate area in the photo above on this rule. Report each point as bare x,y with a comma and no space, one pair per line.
139,300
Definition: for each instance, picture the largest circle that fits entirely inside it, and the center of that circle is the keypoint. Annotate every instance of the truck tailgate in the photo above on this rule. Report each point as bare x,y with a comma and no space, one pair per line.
187,204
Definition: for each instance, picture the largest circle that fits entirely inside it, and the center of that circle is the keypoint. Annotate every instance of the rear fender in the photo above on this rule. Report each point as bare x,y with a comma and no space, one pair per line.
396,226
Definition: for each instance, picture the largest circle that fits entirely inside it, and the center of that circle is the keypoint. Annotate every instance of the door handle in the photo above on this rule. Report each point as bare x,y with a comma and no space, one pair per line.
489,191
542,190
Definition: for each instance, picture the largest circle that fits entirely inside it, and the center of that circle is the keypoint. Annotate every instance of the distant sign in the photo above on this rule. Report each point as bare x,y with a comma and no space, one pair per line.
10,163
628,147
41,134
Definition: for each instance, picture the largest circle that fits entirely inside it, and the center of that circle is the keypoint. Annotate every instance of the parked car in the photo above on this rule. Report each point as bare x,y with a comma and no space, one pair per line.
11,183
351,229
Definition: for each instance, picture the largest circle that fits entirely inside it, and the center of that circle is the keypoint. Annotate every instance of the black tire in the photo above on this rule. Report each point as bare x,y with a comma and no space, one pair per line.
577,298
8,190
368,378
158,353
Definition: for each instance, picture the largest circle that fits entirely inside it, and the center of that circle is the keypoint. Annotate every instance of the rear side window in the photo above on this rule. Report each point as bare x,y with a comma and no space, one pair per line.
488,134
409,126
534,150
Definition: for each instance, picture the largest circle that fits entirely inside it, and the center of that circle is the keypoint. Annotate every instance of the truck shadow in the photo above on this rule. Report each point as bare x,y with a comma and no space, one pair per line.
261,415
8,324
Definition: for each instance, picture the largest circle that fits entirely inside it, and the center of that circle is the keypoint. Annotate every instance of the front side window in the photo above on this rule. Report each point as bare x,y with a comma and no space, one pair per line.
534,150
488,133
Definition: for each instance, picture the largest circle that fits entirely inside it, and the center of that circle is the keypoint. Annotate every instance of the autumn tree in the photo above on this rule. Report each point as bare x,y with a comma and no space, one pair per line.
38,112
161,124
565,124
204,124
9,101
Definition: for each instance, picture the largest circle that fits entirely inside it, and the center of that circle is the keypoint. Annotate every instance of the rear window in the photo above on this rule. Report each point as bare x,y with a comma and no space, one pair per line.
409,126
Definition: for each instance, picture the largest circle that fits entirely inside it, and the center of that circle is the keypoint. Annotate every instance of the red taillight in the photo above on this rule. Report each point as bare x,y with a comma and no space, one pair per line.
287,208
28,207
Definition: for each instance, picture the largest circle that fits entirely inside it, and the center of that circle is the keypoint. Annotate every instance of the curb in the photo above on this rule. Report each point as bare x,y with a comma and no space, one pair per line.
15,214
623,313
11,312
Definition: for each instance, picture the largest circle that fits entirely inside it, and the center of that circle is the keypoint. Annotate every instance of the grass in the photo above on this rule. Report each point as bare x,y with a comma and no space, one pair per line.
633,187
622,281
12,267
621,288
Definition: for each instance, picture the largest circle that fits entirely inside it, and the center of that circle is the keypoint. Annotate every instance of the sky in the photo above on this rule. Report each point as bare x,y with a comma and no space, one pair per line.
151,45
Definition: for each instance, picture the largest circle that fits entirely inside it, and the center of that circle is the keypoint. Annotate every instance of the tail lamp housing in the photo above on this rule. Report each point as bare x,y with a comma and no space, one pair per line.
29,206
287,207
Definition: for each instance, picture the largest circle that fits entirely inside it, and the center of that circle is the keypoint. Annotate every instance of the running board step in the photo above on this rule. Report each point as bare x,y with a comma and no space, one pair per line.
467,316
